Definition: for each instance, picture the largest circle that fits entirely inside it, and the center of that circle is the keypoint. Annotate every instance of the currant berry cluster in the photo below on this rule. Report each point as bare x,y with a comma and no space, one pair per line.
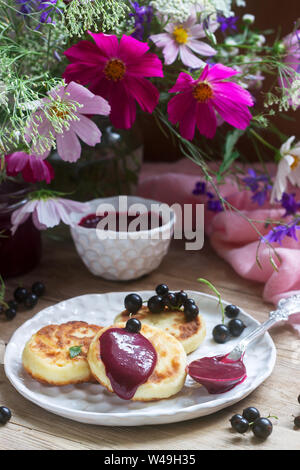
251,419
22,296
164,300
222,333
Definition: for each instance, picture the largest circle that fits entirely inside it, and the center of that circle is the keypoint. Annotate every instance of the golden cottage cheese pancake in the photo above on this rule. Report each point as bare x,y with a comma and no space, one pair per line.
47,355
168,375
189,333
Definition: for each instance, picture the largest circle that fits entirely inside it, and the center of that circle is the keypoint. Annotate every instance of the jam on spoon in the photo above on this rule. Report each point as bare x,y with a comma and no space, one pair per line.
221,373
218,374
128,357
122,220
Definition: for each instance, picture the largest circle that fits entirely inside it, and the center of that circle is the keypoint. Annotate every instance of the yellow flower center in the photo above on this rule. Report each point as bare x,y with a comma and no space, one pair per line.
295,163
60,113
115,70
202,92
180,35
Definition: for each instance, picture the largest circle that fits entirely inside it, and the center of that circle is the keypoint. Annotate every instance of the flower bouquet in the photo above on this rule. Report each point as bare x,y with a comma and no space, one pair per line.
209,79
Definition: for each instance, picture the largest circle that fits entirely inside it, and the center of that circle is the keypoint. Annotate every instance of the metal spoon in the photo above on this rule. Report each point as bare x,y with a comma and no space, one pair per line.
285,308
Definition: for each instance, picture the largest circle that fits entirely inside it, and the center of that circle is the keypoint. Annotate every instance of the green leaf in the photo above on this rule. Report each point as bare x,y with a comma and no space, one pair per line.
229,153
74,351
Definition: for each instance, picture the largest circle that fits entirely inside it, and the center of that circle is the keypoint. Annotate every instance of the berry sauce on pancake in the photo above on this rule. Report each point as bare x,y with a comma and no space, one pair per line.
129,360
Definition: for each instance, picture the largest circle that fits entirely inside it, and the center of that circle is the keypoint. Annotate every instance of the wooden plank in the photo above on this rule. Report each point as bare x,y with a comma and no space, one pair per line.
34,428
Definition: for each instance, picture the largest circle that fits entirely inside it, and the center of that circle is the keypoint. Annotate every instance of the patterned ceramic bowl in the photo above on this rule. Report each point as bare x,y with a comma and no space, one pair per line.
122,256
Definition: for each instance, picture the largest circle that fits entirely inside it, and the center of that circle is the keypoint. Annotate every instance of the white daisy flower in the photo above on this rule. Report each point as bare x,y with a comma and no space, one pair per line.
288,169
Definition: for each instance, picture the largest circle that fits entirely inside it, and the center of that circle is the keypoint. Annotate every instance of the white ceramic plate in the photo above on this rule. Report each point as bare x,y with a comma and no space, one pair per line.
91,403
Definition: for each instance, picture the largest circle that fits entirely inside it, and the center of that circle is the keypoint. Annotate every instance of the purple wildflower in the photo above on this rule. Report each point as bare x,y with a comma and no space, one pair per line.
260,191
277,234
46,7
227,23
214,205
141,15
289,203
254,179
200,188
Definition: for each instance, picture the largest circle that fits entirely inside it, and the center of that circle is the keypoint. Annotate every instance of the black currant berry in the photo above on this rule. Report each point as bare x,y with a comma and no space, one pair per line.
235,418
191,311
5,415
189,302
133,302
38,288
251,414
133,325
240,425
170,300
231,311
10,313
181,297
236,327
20,294
156,304
13,304
30,301
297,422
221,334
162,289
262,428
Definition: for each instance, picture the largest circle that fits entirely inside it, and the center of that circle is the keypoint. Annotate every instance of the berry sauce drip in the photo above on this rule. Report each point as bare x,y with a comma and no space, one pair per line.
129,360
146,221
217,374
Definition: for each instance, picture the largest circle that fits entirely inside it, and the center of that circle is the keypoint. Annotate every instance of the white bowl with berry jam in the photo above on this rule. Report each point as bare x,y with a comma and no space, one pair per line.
123,237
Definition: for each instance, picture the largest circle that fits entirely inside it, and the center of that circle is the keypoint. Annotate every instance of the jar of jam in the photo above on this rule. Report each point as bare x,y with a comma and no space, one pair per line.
21,252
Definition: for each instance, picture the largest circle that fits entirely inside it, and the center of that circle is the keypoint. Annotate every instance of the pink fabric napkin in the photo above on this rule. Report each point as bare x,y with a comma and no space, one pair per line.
230,234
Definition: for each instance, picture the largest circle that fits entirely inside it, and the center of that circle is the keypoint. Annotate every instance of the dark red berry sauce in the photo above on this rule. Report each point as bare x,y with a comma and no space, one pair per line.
123,221
217,374
129,360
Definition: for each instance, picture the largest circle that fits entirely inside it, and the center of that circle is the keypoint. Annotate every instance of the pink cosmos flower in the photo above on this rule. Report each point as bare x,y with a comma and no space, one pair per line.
33,169
182,39
292,60
198,101
116,71
47,212
67,105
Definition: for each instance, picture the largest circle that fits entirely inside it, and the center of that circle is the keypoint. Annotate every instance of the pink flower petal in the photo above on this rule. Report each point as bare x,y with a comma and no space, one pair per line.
233,92
68,146
182,109
148,65
170,52
201,47
46,213
220,72
184,82
81,72
87,130
84,51
206,120
107,44
232,112
161,40
91,104
144,92
131,50
123,108
189,59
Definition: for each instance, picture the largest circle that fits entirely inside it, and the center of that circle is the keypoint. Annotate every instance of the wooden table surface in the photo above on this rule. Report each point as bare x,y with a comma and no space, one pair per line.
61,269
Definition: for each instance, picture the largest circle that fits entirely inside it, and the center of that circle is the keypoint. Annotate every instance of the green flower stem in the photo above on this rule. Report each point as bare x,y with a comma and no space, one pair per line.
213,288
